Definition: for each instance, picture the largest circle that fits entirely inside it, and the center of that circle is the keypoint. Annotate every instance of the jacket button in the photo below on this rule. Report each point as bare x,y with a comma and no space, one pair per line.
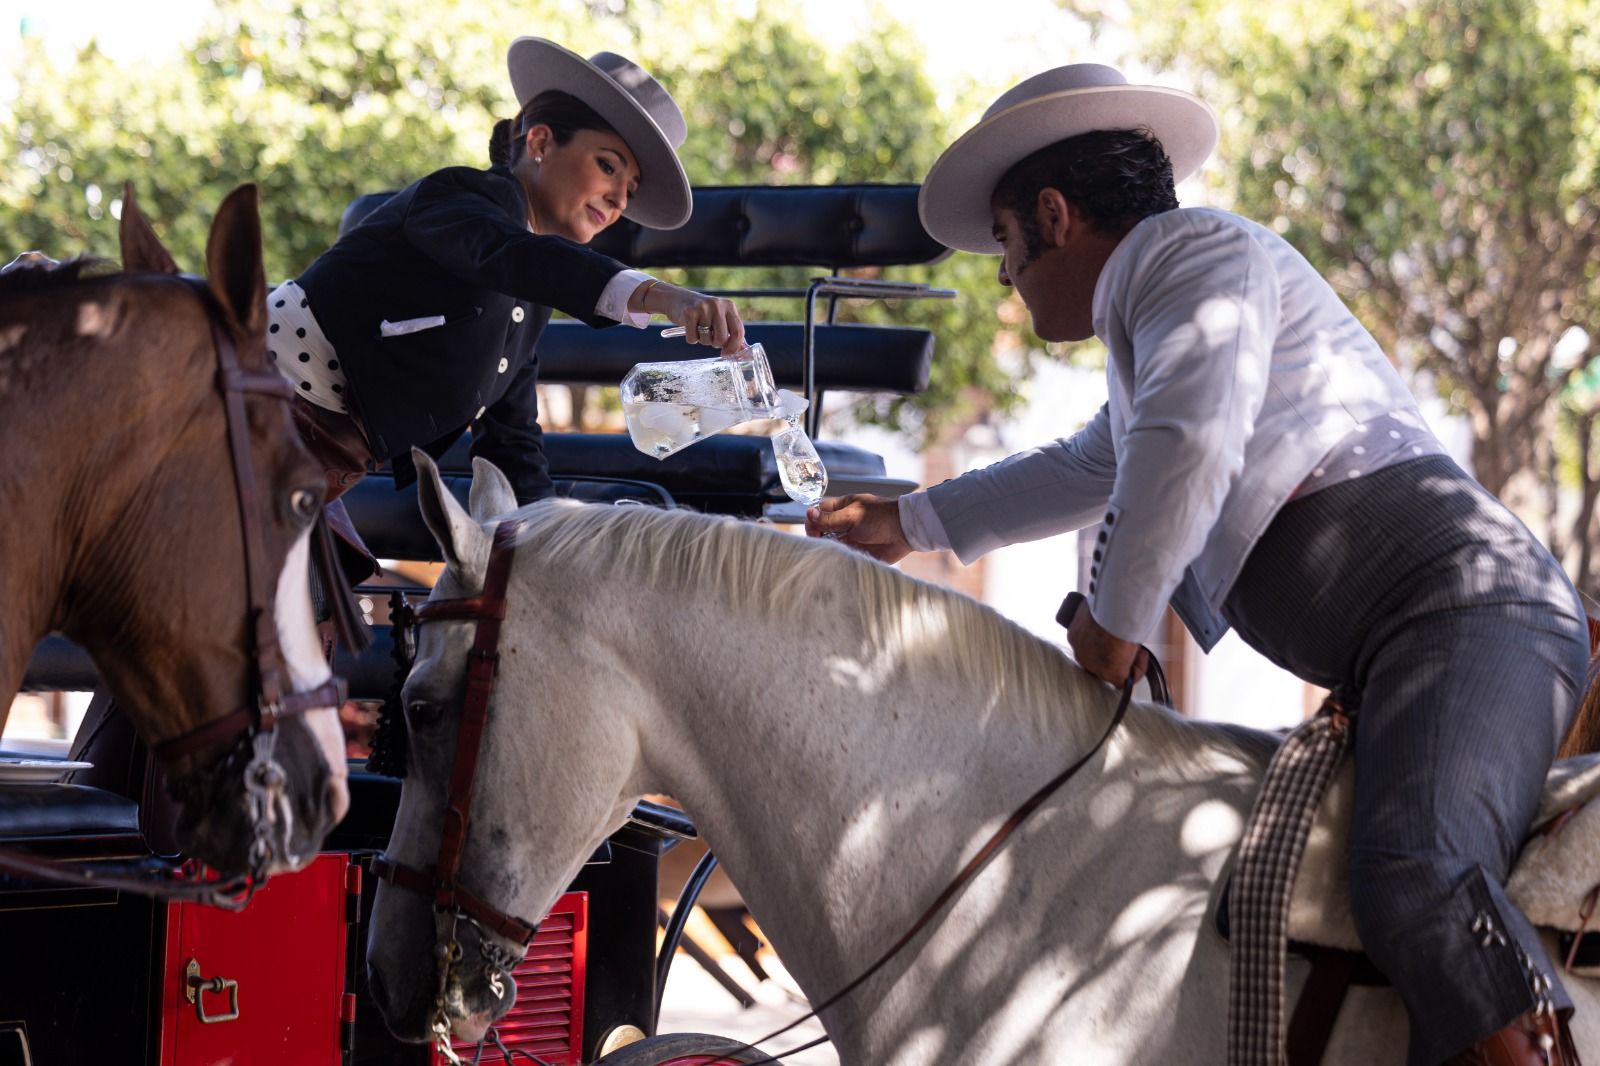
503,364
479,414
517,314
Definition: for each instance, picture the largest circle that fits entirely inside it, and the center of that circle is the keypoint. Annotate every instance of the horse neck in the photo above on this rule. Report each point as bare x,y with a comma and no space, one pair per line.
794,752
90,401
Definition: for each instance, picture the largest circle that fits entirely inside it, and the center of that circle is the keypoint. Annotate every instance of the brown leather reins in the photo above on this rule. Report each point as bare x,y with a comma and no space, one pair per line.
264,778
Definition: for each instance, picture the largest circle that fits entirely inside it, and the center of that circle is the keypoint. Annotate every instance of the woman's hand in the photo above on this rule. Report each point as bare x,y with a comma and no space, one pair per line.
869,524
706,319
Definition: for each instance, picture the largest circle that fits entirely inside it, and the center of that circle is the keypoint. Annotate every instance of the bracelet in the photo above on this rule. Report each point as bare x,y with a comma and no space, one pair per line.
644,291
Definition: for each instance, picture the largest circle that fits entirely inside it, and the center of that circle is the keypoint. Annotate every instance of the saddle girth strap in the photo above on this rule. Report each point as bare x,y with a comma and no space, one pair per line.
1263,882
1332,971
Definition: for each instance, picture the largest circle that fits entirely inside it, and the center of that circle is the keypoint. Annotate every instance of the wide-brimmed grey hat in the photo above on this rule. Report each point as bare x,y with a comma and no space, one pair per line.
636,106
1050,107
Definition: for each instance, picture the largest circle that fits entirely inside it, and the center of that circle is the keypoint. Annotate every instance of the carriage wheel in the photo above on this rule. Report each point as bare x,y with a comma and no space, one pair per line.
684,1049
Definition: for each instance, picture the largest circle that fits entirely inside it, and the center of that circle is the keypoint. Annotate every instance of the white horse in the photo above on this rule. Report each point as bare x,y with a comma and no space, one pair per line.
845,737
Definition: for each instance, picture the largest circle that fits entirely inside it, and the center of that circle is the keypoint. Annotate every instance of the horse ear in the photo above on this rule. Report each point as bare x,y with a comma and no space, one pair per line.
235,273
492,494
462,541
142,250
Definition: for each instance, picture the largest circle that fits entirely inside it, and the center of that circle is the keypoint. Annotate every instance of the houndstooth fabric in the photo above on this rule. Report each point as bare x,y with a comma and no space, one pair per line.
1263,877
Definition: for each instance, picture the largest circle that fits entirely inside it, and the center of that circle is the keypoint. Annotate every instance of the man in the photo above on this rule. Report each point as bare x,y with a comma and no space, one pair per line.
1260,464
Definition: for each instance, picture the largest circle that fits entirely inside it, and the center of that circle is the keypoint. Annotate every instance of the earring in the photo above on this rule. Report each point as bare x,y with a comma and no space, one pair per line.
538,160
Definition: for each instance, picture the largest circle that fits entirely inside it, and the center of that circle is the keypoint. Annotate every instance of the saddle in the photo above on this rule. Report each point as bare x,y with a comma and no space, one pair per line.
1555,881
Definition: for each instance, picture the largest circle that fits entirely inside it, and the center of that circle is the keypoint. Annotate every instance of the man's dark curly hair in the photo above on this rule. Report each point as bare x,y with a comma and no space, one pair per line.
1115,177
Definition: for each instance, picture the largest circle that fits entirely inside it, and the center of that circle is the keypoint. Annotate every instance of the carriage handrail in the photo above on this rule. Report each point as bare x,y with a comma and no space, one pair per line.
854,288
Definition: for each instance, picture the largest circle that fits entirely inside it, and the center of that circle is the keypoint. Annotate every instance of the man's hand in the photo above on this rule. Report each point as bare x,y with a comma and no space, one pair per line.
869,524
1108,657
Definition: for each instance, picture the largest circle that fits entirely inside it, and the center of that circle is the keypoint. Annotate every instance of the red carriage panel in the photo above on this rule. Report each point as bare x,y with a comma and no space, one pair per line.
268,982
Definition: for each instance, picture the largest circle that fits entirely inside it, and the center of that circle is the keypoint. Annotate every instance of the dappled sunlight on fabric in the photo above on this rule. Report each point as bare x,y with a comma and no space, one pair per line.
1218,321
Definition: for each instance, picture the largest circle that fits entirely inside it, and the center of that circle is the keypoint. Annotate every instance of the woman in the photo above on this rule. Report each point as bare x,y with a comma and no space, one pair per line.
423,319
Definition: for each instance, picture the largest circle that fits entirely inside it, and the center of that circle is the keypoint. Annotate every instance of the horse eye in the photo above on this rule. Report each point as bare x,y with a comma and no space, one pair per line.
421,712
305,503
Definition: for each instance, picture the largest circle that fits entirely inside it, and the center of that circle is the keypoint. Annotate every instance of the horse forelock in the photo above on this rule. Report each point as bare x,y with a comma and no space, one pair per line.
911,624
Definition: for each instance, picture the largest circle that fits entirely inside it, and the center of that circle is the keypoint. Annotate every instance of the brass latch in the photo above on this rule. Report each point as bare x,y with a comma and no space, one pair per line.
196,986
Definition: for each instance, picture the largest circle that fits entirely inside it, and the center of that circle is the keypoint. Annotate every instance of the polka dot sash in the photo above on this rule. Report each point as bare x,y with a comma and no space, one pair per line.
1394,437
297,346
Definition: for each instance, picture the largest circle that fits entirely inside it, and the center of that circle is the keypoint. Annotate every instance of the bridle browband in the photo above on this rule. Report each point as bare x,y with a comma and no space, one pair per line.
440,881
264,777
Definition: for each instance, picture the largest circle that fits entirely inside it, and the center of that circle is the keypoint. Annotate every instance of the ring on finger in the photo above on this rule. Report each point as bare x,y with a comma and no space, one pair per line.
702,329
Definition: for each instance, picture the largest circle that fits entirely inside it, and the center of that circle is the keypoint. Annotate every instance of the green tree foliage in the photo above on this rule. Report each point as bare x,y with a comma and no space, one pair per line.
320,101
1436,159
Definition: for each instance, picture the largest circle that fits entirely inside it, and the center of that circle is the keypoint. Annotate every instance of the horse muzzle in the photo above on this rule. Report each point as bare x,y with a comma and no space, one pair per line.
475,998
243,815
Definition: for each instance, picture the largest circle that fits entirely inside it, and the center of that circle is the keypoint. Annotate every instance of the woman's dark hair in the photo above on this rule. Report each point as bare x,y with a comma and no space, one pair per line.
1115,177
564,113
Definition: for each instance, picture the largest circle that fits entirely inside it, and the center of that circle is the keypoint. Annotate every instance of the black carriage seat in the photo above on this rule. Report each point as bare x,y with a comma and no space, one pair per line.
829,227
52,816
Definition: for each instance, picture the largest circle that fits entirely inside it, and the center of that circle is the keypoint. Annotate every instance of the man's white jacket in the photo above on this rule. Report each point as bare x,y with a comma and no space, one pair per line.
1232,367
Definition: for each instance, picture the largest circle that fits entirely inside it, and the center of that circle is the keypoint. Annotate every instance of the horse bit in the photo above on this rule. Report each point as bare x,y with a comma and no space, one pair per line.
271,816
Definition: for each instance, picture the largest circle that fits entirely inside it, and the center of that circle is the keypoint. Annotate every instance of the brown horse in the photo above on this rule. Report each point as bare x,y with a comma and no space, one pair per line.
124,530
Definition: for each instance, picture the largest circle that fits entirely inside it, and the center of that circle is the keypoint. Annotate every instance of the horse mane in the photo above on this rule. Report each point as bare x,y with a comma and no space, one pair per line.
910,623
32,278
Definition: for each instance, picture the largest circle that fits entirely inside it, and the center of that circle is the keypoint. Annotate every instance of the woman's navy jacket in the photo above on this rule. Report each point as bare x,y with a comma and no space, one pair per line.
455,244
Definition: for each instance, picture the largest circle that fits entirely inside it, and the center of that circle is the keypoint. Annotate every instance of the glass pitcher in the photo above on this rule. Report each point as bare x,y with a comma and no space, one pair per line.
669,406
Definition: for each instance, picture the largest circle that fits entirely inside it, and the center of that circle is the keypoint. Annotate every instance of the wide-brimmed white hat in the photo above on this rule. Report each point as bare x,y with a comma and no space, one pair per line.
1050,107
632,102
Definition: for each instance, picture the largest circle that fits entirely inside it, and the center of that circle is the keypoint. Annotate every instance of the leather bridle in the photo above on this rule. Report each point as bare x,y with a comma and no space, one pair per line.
273,700
440,881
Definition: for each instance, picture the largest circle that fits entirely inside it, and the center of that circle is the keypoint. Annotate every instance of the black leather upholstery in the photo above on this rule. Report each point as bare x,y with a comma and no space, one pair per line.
58,665
834,226
724,474
855,357
34,812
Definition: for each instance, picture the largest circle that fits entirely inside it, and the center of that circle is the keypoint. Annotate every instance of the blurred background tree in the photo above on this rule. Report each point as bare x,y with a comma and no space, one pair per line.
1436,159
319,102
